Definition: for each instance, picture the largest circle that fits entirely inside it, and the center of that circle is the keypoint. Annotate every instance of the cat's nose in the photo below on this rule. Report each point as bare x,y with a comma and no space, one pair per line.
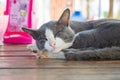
52,44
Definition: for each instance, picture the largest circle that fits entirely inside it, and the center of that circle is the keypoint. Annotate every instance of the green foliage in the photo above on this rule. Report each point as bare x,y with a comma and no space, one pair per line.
118,15
106,14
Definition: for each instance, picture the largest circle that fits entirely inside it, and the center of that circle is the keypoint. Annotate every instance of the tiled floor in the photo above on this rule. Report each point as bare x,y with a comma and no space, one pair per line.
18,63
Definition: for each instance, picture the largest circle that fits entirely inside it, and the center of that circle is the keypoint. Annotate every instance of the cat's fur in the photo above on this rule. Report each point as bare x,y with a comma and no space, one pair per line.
90,40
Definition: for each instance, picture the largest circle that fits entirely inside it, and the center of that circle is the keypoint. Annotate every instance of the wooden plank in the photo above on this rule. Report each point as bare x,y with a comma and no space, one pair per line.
18,63
16,58
16,53
13,47
32,63
6,53
26,59
59,74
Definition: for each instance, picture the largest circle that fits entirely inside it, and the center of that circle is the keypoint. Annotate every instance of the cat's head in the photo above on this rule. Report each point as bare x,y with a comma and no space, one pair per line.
54,35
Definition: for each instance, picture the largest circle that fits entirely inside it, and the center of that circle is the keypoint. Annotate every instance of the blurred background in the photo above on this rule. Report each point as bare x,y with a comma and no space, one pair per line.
81,10
45,10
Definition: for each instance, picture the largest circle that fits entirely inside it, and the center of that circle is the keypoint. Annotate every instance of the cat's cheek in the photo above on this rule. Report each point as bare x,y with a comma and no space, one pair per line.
48,47
56,50
51,49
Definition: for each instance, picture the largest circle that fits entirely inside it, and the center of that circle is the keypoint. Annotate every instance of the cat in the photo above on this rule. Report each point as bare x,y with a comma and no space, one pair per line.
73,40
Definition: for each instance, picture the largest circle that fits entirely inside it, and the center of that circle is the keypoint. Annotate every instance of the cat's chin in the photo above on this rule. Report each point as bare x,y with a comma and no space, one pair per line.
55,50
51,49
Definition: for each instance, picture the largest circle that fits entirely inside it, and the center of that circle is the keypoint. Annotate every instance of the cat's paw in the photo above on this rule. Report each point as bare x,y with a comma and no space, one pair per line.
32,47
42,54
45,54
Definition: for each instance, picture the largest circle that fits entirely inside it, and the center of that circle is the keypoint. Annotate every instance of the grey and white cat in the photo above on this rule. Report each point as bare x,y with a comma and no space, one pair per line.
72,40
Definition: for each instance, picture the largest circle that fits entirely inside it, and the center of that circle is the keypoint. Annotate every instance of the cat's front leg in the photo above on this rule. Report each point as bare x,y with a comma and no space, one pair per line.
33,48
45,54
81,54
42,54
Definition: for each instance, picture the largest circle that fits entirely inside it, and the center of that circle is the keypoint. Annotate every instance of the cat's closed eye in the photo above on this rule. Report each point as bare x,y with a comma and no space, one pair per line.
57,33
43,39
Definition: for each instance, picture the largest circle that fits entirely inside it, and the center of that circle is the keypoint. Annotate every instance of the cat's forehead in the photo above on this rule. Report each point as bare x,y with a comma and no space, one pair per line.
52,25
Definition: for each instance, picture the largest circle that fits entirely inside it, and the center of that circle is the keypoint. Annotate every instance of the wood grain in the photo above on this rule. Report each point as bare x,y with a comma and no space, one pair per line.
18,63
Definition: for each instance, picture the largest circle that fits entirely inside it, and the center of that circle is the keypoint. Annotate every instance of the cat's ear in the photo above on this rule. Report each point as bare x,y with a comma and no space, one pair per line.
64,19
33,33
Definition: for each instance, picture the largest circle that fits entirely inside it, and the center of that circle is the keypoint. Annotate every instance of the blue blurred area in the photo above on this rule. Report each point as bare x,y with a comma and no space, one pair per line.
77,16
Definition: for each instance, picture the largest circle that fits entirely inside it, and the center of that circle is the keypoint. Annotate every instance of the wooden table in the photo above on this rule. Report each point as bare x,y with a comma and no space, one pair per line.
18,63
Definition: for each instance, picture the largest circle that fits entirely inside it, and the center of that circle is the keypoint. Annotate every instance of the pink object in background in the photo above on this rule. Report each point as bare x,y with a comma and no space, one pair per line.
20,15
3,25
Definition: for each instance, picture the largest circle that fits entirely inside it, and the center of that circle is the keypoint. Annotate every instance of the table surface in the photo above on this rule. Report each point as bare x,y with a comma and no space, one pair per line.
18,63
